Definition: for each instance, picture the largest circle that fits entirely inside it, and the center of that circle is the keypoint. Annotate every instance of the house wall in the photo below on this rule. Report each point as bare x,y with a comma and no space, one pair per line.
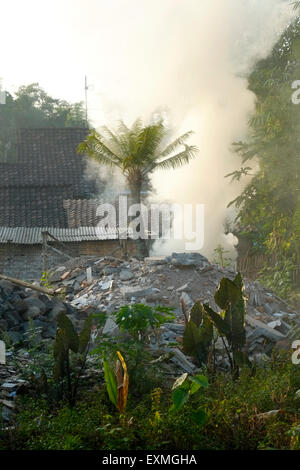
25,261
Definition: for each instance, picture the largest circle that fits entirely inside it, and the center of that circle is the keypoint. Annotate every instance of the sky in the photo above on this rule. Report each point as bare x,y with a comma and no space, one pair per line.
187,58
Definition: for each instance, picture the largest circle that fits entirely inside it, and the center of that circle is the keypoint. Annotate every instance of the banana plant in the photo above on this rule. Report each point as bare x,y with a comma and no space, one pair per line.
117,382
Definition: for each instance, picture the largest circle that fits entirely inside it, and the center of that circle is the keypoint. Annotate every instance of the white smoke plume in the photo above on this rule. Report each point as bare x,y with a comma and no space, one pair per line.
190,58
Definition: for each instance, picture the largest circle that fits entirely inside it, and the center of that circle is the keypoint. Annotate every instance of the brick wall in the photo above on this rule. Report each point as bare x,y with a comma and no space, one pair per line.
25,261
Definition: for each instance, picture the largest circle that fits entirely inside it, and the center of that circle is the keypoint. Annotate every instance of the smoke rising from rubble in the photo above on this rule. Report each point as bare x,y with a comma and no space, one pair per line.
191,60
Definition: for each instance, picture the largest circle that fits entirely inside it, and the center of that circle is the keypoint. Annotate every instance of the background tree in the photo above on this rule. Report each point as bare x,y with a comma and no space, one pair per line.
31,107
269,207
137,152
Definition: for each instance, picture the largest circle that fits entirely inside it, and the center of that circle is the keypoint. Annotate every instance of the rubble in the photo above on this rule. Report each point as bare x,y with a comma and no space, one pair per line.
104,285
168,281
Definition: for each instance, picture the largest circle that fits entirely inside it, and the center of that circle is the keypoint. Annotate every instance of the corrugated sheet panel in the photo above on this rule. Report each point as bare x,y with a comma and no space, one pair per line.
33,235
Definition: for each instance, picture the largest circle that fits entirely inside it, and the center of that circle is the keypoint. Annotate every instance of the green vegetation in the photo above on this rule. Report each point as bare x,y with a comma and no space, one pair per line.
118,408
268,216
232,417
32,107
229,324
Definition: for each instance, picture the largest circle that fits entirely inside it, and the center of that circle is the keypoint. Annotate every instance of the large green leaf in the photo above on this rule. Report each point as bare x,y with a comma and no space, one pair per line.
85,334
71,340
196,313
206,331
198,381
178,382
180,396
217,320
111,383
228,293
60,355
235,316
191,339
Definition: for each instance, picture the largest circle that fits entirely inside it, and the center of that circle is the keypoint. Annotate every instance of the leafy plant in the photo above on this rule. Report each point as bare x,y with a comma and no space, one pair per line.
45,280
279,277
230,324
220,256
117,383
67,341
137,318
198,334
184,387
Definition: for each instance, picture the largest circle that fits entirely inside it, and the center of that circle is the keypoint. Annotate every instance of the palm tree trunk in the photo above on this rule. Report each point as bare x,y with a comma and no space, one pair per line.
141,243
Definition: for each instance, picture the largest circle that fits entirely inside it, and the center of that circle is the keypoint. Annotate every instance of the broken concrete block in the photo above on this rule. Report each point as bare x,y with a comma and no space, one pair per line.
126,275
181,360
111,328
266,331
182,260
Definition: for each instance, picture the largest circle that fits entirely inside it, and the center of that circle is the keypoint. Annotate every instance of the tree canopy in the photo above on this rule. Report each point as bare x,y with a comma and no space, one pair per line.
31,107
269,207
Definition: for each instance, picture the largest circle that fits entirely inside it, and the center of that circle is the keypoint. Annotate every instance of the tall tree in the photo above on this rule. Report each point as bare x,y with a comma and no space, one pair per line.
137,152
31,107
269,206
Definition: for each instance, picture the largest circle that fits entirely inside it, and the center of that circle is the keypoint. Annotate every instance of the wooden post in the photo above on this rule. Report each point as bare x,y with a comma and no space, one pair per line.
44,251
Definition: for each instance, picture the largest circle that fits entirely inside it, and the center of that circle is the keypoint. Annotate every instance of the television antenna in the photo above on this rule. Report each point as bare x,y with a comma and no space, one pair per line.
86,88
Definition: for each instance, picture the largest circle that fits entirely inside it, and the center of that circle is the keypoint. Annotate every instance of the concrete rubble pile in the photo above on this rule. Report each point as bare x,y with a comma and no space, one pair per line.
106,284
93,285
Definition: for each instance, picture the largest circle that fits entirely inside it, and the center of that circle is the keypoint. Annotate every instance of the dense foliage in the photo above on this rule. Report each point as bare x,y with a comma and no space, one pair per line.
31,107
269,207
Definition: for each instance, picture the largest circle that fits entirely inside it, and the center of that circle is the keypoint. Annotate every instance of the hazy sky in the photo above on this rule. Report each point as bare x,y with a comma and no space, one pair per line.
191,57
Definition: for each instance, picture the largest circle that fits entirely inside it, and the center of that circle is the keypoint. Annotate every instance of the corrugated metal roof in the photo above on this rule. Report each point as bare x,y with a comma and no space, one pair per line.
33,235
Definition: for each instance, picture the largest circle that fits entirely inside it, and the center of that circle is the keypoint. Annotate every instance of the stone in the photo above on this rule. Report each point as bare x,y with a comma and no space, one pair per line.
20,305
264,329
49,332
177,327
126,275
184,288
7,413
7,286
155,260
111,328
180,359
138,293
187,260
188,301
15,337
58,307
35,307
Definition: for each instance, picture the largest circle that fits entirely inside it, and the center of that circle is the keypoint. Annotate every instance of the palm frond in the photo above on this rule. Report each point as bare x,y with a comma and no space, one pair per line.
115,142
177,160
149,141
94,147
175,144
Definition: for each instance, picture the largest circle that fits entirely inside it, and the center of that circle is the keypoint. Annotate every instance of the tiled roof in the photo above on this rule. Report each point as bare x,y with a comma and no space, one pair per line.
46,171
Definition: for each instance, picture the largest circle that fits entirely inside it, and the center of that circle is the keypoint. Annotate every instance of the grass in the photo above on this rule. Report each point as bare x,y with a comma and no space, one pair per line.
232,407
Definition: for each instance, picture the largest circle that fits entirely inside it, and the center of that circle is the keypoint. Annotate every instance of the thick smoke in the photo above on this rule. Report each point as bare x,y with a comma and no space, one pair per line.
191,58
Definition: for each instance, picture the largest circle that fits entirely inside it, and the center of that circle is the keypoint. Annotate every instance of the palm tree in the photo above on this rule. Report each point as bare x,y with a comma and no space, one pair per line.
137,151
